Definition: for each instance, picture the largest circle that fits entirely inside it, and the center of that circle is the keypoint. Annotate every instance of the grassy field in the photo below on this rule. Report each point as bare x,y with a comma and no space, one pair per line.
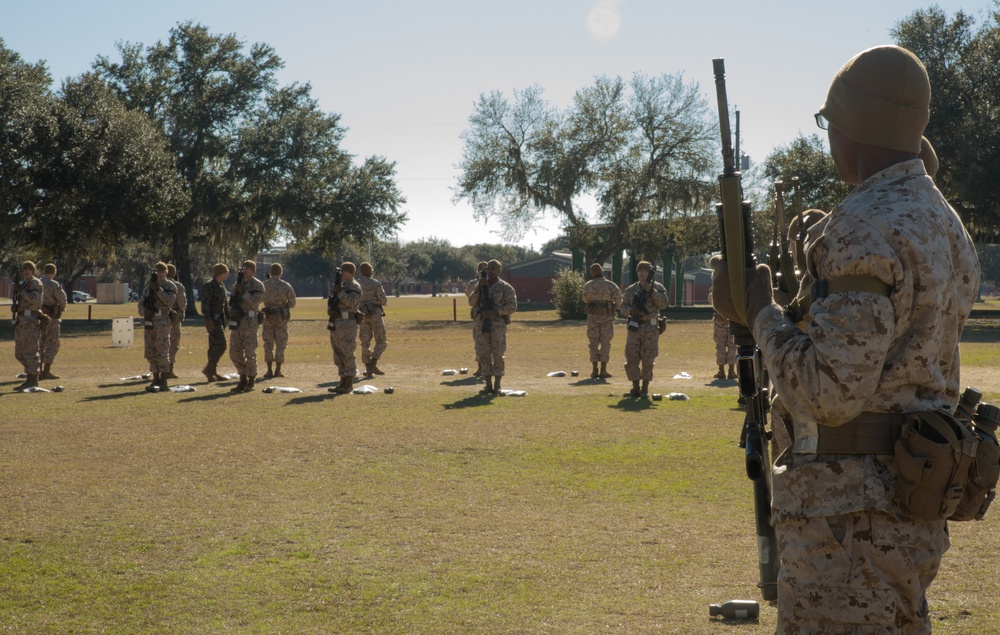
429,510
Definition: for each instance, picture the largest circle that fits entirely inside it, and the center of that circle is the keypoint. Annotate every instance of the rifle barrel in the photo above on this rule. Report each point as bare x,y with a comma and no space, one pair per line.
728,161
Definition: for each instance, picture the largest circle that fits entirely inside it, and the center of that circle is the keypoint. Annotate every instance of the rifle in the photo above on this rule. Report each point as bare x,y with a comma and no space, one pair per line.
737,251
15,297
800,235
485,302
236,301
782,267
639,303
333,304
149,302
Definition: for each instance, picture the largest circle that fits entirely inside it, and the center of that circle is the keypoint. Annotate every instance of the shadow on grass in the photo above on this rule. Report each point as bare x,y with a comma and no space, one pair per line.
630,404
474,401
465,381
120,395
211,397
722,383
590,382
297,401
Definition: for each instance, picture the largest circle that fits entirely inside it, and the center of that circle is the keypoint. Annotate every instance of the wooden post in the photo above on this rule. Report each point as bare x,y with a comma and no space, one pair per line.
454,309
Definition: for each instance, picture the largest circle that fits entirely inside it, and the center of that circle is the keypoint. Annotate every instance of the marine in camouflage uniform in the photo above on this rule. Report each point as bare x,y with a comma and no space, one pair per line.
180,306
156,305
373,301
215,311
53,305
470,287
495,301
343,326
642,342
279,300
247,294
725,348
852,559
26,325
603,298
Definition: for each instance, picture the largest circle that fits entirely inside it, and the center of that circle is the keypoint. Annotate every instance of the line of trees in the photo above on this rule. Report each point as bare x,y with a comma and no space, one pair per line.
189,146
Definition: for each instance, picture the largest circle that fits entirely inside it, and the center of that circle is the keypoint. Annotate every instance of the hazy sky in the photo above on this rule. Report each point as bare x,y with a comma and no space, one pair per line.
404,75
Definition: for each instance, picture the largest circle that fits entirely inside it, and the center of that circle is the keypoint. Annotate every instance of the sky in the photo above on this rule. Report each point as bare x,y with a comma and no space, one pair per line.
405,75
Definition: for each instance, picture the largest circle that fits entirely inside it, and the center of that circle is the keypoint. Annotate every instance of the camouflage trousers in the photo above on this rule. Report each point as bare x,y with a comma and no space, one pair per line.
175,339
491,347
156,344
863,572
216,344
344,342
26,344
477,328
600,330
243,347
373,326
725,347
48,341
641,349
275,334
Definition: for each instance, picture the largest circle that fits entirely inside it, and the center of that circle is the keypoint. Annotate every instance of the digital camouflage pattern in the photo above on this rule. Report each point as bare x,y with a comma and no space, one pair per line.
491,346
180,306
861,352
603,298
279,300
215,308
26,331
470,288
643,346
156,341
725,348
344,337
373,326
53,305
243,338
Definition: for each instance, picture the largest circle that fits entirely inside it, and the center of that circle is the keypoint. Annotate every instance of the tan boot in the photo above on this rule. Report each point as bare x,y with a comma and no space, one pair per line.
163,381
488,389
721,374
209,372
594,373
250,383
346,386
644,391
634,393
732,371
277,369
31,381
169,374
154,385
240,386
374,367
496,384
47,372
368,370
604,374
337,387
269,374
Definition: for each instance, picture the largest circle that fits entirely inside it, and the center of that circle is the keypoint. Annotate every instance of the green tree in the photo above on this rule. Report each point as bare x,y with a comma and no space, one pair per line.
960,57
256,159
567,291
807,158
644,149
447,263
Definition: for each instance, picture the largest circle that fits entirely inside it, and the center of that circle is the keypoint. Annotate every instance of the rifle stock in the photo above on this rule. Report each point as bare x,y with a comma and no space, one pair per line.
737,250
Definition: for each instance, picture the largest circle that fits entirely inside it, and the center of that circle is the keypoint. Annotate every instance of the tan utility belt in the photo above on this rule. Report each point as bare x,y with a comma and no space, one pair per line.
820,289
868,433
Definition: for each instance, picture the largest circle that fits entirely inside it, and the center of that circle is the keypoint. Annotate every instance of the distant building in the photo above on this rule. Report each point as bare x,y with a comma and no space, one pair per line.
532,279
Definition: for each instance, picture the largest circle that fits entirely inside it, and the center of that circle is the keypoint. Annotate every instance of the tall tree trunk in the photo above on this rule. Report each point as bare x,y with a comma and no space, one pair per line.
180,251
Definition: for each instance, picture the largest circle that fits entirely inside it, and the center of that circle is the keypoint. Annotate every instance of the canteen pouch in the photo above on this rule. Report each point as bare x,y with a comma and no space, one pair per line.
981,488
487,325
147,321
661,325
934,456
359,317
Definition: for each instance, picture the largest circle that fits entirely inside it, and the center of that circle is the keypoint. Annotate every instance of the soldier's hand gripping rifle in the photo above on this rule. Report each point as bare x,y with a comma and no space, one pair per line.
485,303
641,298
737,251
149,302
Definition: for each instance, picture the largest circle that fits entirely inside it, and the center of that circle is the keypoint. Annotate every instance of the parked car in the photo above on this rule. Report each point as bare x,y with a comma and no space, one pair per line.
82,296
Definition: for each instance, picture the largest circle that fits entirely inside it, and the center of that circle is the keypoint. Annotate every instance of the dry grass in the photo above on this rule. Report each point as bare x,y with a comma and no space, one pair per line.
431,510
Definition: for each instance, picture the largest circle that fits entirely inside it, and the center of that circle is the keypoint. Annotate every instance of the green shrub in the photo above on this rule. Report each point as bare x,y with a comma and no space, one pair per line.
567,291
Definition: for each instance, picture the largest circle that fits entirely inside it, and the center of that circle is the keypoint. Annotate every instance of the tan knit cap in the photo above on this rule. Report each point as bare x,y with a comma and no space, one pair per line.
250,263
276,269
219,269
881,97
366,269
349,268
929,157
49,269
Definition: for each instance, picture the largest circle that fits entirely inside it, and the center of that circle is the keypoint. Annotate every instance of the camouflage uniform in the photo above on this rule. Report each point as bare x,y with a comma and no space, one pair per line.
27,328
243,326
603,298
53,305
725,348
643,345
180,306
215,309
372,300
157,324
279,299
849,553
344,336
492,344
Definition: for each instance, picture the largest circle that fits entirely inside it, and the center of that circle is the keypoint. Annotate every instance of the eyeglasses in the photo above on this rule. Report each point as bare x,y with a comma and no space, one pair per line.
822,122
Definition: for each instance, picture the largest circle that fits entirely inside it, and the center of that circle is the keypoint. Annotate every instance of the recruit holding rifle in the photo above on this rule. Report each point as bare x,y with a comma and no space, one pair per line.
15,299
736,263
